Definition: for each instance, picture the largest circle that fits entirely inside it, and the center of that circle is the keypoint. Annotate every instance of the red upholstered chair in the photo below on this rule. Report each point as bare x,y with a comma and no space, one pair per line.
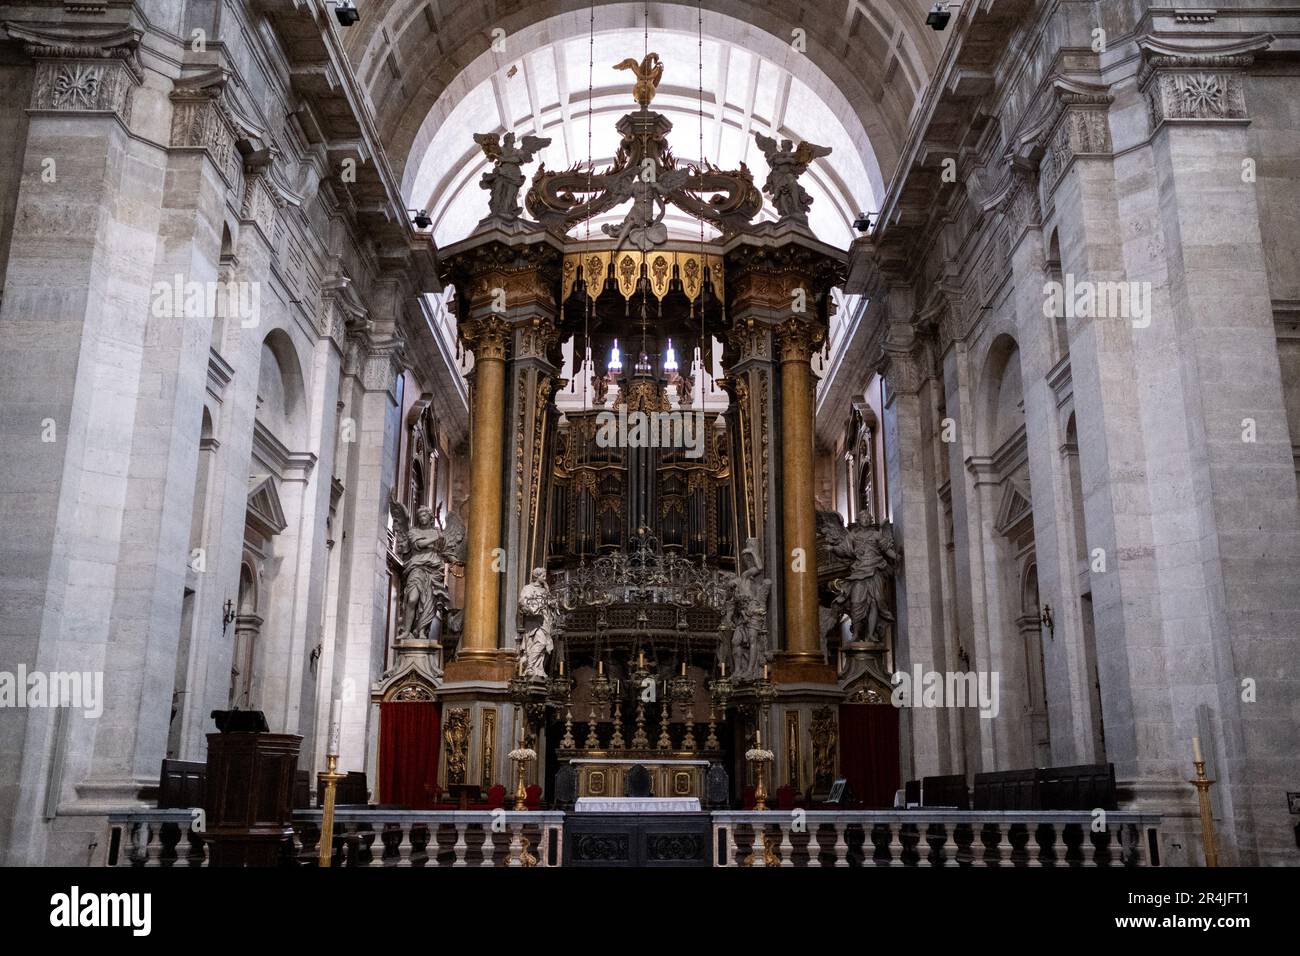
496,796
533,797
785,797
747,799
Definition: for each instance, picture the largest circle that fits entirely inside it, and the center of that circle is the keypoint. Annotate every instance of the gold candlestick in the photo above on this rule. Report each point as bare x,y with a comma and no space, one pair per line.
760,787
1202,783
330,777
521,791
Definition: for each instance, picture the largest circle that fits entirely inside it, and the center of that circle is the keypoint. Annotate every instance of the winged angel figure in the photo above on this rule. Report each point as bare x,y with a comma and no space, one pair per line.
428,550
643,226
873,554
506,178
786,165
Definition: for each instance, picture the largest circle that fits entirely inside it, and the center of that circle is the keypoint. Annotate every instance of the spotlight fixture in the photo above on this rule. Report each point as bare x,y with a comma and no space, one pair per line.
938,17
865,221
346,11
421,218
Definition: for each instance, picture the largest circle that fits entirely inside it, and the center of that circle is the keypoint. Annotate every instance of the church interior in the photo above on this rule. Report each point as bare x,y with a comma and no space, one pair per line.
590,433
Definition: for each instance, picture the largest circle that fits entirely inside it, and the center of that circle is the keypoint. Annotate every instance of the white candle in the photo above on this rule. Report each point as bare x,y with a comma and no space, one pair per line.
336,727
1196,750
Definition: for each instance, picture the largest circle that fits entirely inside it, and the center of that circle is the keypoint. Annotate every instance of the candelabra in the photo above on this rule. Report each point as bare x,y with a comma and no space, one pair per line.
720,690
665,714
640,681
760,758
1202,783
682,691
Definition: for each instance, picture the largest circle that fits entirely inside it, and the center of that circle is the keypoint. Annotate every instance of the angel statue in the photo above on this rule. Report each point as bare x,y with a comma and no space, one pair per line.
750,614
505,179
874,556
538,613
644,224
648,74
427,550
786,164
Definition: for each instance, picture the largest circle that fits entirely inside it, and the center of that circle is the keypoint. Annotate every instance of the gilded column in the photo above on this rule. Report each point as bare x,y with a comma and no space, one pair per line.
798,518
487,338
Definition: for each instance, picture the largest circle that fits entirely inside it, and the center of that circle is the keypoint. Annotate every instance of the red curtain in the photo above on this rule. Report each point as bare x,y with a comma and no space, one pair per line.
410,735
869,753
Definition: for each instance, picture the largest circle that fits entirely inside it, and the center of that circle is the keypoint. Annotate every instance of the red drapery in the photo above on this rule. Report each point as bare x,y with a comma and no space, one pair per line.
410,735
869,753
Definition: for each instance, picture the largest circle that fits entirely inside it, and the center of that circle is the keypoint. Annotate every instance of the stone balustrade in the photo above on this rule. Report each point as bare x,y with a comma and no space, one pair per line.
931,838
362,837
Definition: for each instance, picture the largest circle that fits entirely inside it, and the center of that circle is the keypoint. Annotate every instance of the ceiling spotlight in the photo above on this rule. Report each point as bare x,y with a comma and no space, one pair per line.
421,218
347,13
864,222
938,17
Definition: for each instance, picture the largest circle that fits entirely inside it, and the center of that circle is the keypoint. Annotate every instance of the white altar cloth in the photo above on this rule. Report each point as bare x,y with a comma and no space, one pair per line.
638,805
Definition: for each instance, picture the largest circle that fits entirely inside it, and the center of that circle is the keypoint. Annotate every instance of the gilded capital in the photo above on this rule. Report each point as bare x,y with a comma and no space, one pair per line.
796,340
488,338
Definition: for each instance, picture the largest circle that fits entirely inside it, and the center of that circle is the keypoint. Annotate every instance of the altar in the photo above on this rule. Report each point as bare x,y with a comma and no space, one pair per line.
638,805
671,778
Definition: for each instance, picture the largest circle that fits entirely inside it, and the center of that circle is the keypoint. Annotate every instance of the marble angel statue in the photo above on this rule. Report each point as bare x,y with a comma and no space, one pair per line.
506,177
538,621
873,556
428,550
750,609
786,164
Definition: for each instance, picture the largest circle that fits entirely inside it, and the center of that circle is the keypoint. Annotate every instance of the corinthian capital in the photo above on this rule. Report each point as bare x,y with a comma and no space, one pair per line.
488,338
82,71
796,340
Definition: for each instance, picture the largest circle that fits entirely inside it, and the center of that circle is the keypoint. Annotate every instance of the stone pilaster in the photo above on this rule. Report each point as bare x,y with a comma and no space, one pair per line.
1241,489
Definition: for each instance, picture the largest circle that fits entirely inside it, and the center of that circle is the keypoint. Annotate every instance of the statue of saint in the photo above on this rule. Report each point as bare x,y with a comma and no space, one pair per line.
538,613
427,550
506,178
747,641
643,226
874,555
786,164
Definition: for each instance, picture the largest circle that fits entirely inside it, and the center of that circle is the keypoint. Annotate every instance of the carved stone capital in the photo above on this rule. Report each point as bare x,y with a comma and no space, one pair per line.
382,364
536,339
488,338
202,119
82,72
1196,84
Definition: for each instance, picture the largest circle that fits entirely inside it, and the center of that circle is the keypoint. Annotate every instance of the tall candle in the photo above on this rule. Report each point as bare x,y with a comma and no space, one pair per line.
561,666
640,659
683,668
724,668
1196,750
336,727
765,672
600,667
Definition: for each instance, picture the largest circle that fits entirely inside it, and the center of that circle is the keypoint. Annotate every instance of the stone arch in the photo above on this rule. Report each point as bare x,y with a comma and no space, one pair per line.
875,60
281,391
1000,410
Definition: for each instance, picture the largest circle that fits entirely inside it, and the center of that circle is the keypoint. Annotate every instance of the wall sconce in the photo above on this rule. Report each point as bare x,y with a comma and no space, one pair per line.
1048,621
228,616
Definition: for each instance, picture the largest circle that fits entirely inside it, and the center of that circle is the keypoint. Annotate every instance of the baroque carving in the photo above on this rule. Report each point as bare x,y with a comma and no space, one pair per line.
455,735
825,736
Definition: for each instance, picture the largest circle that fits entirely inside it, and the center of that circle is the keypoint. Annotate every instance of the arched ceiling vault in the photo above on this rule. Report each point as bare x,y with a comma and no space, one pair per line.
868,60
